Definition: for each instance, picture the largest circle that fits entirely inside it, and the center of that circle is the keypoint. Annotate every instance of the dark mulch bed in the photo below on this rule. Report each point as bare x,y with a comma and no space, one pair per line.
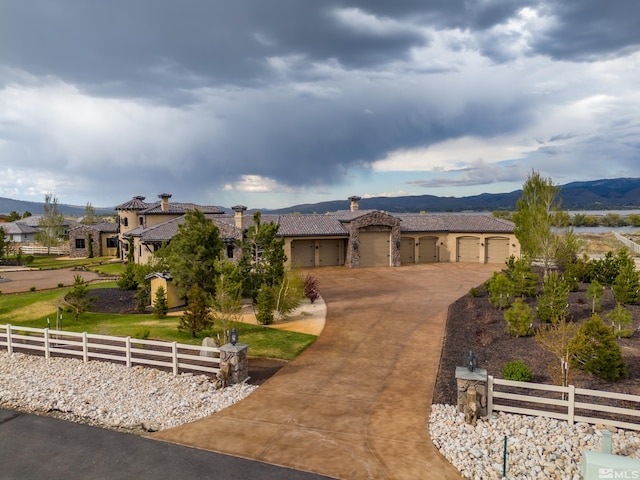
113,300
473,324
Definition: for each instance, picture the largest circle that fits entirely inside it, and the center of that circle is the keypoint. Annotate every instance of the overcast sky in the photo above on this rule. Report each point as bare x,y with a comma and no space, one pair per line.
280,102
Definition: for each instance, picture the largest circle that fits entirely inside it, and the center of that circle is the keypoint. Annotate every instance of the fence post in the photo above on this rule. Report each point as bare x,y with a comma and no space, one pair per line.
46,343
9,344
572,404
127,348
489,395
174,351
85,347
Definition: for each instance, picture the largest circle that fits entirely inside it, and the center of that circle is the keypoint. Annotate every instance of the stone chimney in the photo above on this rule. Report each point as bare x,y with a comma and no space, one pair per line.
354,203
239,209
164,201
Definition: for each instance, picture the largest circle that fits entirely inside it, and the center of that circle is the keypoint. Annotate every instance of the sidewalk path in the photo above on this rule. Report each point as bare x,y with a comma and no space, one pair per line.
354,405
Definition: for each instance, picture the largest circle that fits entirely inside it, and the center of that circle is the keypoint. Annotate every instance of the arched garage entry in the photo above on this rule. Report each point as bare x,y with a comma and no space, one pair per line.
428,249
468,249
496,249
317,253
375,249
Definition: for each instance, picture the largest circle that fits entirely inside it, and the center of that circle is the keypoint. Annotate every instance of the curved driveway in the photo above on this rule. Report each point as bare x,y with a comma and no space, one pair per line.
354,405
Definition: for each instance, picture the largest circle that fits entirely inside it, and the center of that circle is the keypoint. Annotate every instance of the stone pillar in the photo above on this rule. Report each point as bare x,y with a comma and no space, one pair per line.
234,357
477,380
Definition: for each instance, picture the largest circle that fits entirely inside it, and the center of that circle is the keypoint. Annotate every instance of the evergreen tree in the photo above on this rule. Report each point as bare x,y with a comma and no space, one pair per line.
500,290
522,276
553,303
519,319
620,317
193,253
597,352
160,304
595,293
263,257
3,242
626,287
77,297
197,316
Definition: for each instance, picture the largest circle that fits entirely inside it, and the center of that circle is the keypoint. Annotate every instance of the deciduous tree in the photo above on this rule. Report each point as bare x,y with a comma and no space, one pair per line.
51,224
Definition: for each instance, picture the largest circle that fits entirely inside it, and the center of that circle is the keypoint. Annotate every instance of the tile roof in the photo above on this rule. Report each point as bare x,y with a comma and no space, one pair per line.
179,209
136,203
165,231
19,227
310,225
104,227
473,223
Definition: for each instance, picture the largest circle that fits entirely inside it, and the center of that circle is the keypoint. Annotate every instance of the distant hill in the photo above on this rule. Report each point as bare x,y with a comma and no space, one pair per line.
608,194
7,205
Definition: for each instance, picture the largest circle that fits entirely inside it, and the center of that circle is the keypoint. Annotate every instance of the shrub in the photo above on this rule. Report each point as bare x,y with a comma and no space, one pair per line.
620,317
265,305
597,352
500,290
142,333
32,289
519,318
474,292
60,285
517,371
128,280
311,288
29,259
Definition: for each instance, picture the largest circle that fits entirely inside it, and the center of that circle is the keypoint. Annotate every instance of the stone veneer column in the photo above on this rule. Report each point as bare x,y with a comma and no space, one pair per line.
476,379
235,356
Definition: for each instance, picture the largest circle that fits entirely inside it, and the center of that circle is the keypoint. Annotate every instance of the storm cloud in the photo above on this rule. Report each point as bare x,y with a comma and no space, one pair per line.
270,103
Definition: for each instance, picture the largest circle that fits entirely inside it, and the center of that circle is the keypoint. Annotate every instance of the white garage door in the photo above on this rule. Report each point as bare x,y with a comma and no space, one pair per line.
497,250
330,253
374,249
468,249
407,250
428,250
303,253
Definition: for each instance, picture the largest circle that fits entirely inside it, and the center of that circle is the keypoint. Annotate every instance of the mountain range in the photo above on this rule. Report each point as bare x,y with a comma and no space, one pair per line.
605,194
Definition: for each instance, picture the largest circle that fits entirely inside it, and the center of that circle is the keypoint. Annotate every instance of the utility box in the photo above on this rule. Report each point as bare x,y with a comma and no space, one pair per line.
599,465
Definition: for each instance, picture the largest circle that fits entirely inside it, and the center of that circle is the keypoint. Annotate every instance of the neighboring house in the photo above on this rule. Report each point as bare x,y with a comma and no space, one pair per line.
354,237
102,236
34,221
19,232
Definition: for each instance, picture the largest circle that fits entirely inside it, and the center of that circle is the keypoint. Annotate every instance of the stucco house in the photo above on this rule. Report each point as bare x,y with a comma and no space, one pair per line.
353,238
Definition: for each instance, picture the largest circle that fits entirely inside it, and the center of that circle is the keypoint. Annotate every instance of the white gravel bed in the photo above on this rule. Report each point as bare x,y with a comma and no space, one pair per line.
109,395
537,447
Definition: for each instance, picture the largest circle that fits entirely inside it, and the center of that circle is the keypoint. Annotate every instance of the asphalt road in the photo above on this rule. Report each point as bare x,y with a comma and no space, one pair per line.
38,447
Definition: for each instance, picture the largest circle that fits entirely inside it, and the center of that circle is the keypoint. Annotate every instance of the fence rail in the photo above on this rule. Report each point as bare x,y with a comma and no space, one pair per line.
564,403
173,356
38,250
631,245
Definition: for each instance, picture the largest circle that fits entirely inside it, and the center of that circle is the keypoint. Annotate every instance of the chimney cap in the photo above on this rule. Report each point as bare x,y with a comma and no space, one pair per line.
354,198
239,208
164,195
139,197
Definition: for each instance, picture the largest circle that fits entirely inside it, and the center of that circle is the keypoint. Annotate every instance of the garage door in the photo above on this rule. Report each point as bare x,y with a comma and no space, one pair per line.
303,253
427,250
374,249
497,249
468,249
330,253
407,250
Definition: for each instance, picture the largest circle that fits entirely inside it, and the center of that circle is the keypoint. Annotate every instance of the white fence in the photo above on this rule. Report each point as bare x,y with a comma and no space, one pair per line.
633,246
170,355
39,250
564,403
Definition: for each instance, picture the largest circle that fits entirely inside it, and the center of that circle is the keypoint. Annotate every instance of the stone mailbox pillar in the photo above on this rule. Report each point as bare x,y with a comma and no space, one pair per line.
234,357
477,380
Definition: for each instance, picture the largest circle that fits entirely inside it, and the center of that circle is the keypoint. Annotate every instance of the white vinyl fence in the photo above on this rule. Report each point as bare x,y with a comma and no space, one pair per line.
173,356
39,250
633,246
564,403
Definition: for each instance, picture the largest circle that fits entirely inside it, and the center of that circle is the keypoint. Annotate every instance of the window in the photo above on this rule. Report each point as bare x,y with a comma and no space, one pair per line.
141,221
125,221
80,243
229,251
112,242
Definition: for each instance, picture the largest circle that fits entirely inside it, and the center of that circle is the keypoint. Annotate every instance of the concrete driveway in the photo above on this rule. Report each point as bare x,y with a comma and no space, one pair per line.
355,405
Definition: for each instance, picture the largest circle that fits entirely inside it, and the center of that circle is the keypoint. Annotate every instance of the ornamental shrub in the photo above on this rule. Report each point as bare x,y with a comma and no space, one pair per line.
517,371
519,319
597,352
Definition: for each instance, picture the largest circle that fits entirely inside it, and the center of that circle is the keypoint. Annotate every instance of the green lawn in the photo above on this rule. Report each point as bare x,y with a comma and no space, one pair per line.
53,262
32,309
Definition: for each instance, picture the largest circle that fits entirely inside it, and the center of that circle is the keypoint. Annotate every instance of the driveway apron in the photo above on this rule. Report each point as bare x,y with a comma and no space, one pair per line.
354,405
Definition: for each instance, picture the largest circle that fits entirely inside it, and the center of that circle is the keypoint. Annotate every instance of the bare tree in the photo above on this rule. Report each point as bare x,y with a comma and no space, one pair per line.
51,225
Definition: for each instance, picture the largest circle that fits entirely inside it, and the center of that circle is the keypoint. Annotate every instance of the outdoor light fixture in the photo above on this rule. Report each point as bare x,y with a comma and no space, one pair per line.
233,336
472,361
